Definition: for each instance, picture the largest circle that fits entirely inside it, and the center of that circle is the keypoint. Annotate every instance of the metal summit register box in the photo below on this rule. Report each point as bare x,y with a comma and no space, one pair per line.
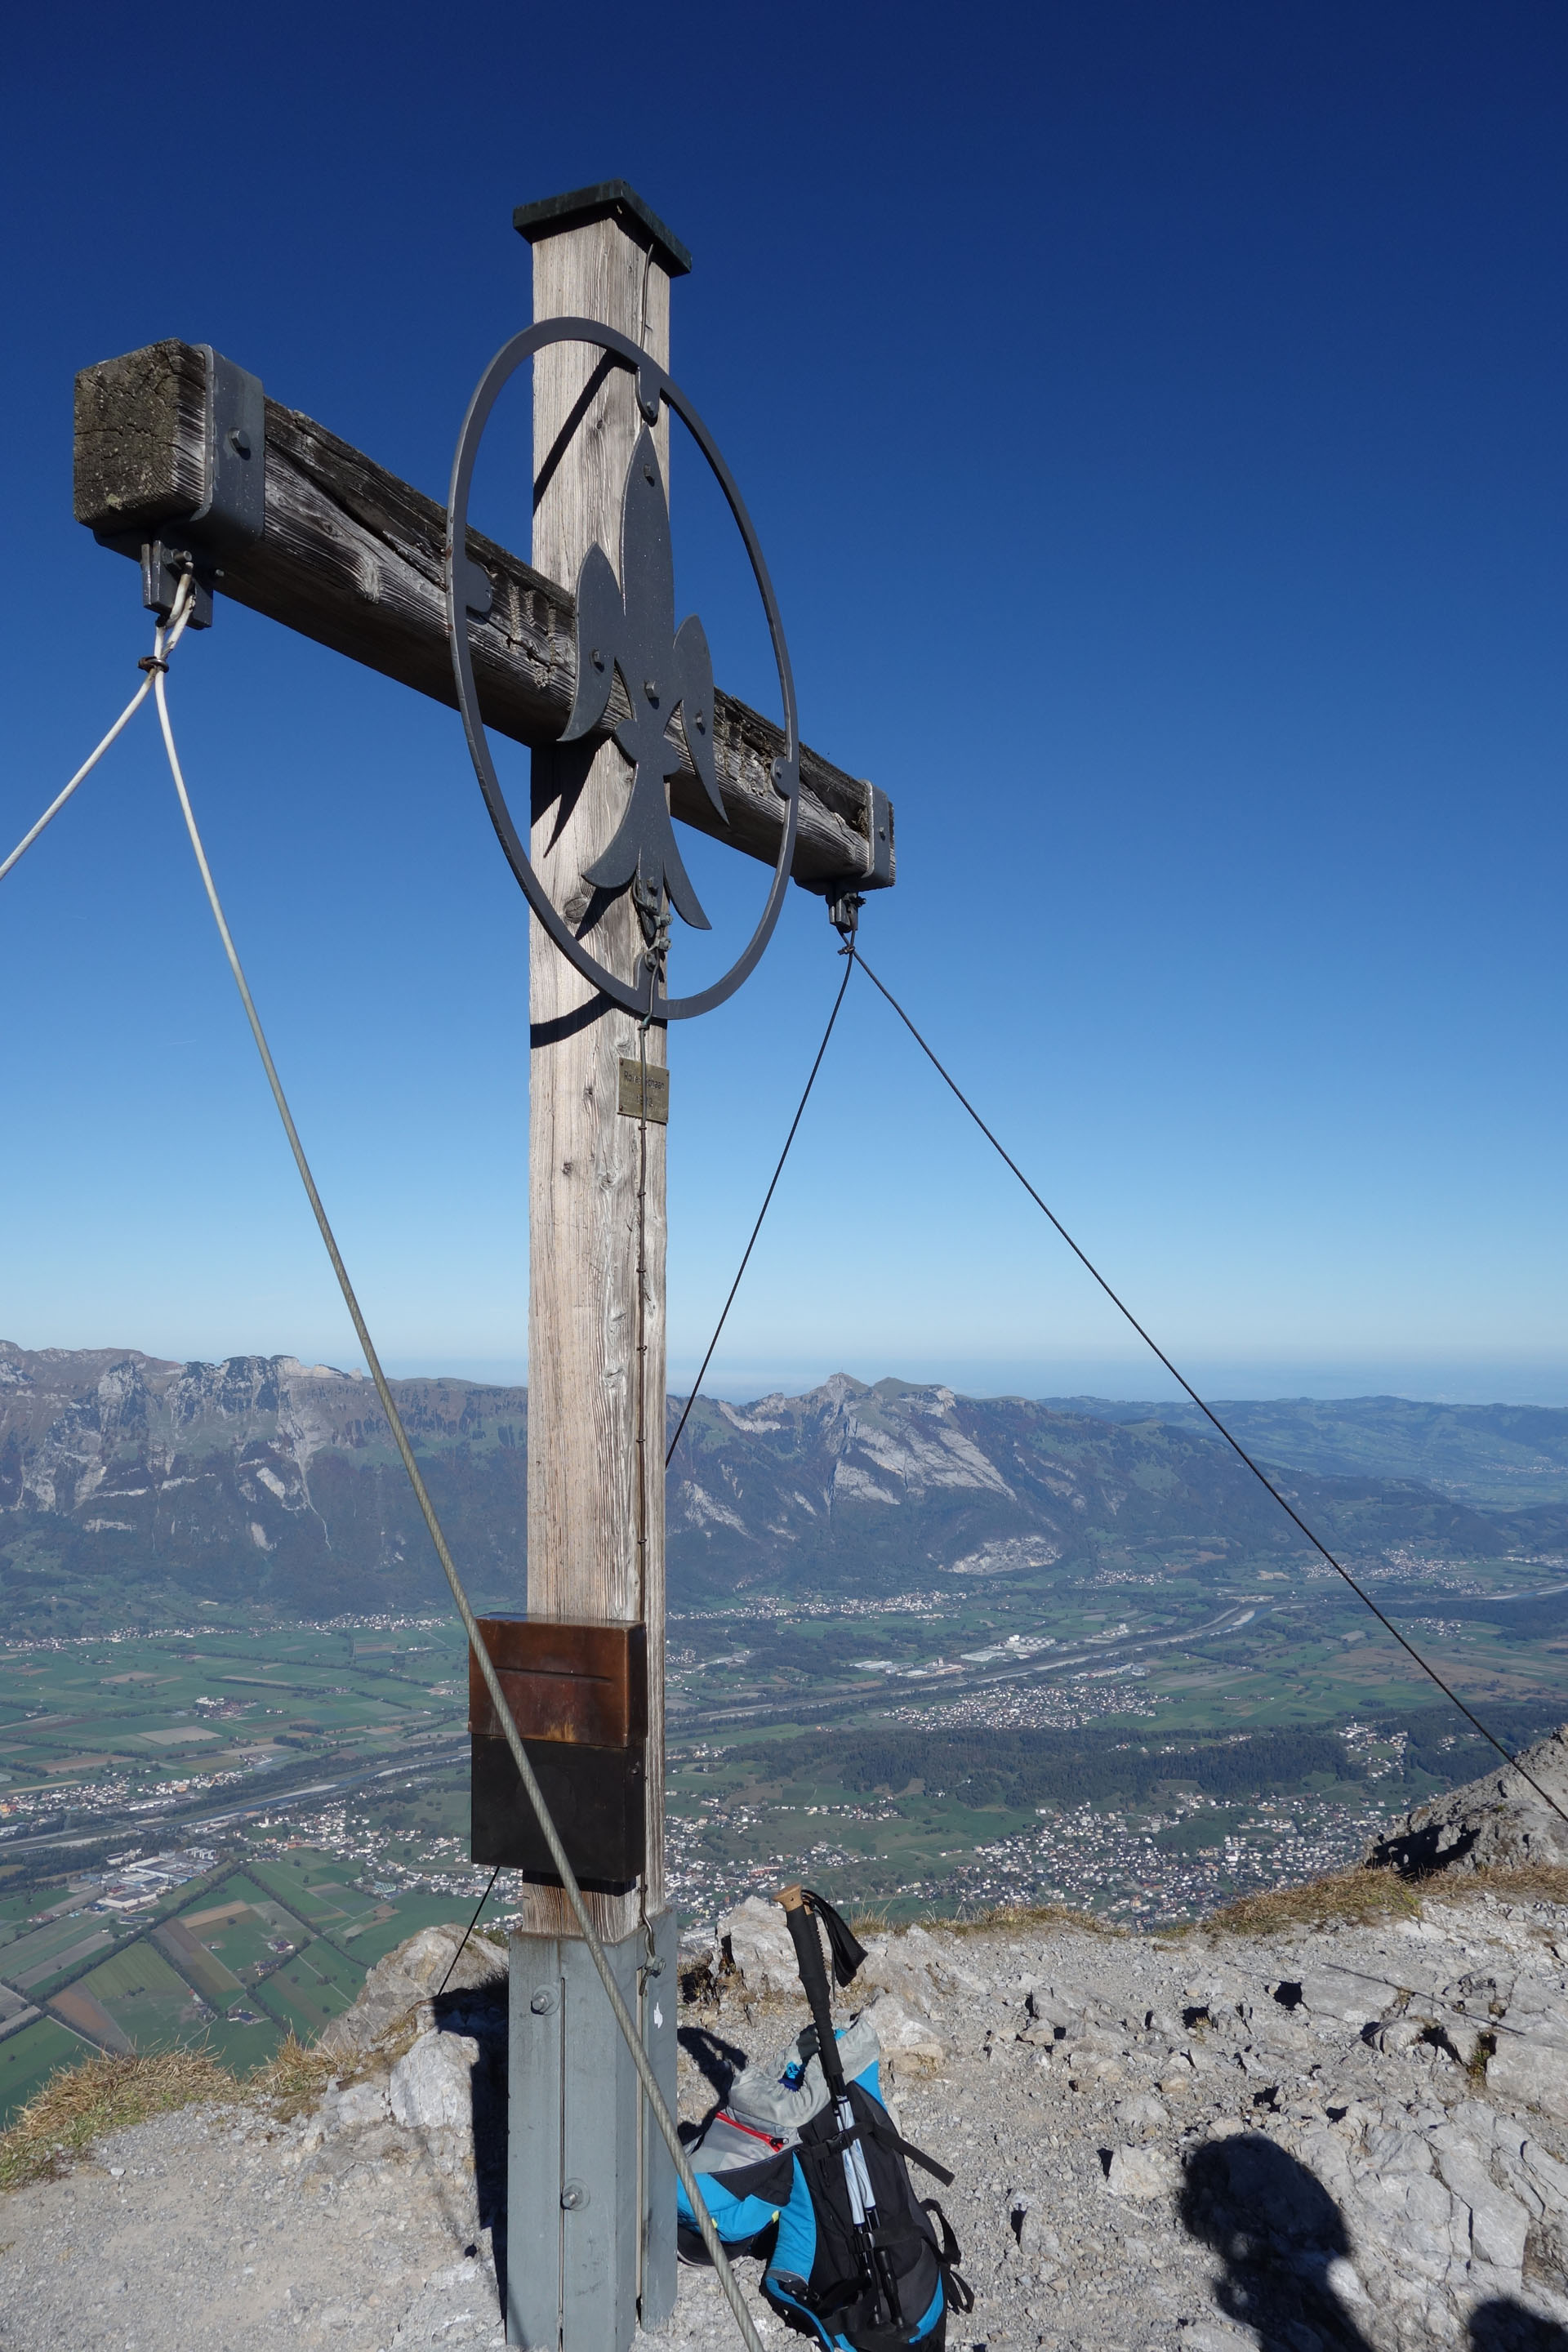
579,1696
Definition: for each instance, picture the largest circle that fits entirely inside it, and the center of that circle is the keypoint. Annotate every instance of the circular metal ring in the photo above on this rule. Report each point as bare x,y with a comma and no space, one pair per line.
653,384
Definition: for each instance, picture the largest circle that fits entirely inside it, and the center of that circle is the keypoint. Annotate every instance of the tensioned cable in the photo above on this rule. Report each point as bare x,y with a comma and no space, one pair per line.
161,648
468,1931
563,1870
762,1212
1234,1444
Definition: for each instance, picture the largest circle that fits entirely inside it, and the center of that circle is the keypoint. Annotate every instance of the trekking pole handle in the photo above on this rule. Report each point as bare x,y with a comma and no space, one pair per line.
807,1942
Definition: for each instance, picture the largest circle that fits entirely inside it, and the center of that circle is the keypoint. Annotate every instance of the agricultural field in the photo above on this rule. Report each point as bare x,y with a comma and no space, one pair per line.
312,1988
219,1958
29,2057
121,1721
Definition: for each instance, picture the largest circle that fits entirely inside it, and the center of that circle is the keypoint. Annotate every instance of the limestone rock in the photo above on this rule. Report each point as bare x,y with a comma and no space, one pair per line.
1340,1994
1497,2222
1142,2112
433,2085
1550,2175
1495,1823
908,2041
919,1968
361,2103
1525,2073
1036,2238
757,1942
395,1988
1214,2335
1139,2172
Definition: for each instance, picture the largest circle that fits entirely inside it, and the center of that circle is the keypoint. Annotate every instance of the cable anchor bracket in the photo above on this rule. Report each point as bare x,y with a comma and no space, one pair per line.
846,895
233,509
844,906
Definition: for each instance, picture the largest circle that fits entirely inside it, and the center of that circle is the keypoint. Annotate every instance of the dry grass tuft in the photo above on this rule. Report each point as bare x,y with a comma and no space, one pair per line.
1533,1882
1354,1897
1357,1897
1008,1919
80,2104
293,2078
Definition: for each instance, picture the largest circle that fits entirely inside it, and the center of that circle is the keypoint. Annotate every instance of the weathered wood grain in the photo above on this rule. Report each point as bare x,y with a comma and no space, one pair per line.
355,557
596,1493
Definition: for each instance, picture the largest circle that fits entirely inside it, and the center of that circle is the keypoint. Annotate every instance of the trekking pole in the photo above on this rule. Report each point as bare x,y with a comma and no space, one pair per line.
800,1913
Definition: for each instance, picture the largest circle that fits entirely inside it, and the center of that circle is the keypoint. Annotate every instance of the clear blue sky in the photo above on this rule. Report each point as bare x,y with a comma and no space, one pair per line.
1156,420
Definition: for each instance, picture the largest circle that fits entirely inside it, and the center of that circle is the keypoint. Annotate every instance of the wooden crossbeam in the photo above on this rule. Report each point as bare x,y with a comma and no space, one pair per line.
355,557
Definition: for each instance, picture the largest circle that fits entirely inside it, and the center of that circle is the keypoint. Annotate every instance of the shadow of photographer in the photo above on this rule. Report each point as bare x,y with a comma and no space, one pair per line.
717,2061
1286,2253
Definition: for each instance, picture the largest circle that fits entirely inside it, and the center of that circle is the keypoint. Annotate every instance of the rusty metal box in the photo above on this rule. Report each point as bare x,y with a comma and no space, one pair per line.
582,1682
579,1696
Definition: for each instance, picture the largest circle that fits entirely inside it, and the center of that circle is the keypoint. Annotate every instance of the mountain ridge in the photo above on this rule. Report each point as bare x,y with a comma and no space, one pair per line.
132,1484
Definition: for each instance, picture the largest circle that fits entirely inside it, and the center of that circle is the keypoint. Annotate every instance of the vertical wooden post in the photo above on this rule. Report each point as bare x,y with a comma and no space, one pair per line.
590,2189
596,1493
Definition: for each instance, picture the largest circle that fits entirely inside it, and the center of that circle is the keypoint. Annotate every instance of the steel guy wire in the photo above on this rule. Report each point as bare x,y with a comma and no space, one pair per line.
573,1893
161,648
762,1212
1207,1411
468,1931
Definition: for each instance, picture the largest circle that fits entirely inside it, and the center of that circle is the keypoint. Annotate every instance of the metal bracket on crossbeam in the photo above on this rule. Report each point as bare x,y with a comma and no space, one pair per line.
846,894
233,511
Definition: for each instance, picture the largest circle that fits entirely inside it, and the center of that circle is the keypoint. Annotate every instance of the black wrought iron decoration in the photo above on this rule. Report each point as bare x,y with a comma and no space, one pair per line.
628,625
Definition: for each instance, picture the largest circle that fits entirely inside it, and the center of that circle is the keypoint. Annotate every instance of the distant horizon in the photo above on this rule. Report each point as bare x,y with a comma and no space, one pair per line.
1494,1381
1230,837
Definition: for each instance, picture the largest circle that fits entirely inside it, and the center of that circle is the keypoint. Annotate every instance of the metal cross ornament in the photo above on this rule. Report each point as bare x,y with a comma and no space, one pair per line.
627,626
630,627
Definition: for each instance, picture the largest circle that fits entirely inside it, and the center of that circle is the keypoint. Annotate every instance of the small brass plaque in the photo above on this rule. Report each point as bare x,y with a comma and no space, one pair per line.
657,1108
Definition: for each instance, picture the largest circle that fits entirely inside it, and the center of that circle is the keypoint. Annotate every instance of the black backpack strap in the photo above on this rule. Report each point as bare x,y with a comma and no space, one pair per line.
870,2123
884,2135
957,2293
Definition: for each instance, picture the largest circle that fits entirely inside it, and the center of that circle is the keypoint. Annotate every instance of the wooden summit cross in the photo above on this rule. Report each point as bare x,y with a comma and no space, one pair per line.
178,453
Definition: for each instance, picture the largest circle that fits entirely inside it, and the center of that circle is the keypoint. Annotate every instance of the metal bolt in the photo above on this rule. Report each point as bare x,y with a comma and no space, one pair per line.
650,688
648,473
240,441
544,2001
574,2196
598,658
701,723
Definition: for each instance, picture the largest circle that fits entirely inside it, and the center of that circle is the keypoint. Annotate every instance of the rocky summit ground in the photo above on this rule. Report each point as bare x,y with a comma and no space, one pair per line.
1319,2135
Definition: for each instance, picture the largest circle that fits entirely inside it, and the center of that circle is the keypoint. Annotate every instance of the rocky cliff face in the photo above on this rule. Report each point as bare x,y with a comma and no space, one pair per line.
905,1481
1499,1823
257,1479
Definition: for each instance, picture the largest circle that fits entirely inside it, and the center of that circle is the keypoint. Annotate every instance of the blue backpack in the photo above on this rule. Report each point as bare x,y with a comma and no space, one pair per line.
771,2164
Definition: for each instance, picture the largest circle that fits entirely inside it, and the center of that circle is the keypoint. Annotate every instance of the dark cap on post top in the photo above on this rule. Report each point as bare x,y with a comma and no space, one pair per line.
612,198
